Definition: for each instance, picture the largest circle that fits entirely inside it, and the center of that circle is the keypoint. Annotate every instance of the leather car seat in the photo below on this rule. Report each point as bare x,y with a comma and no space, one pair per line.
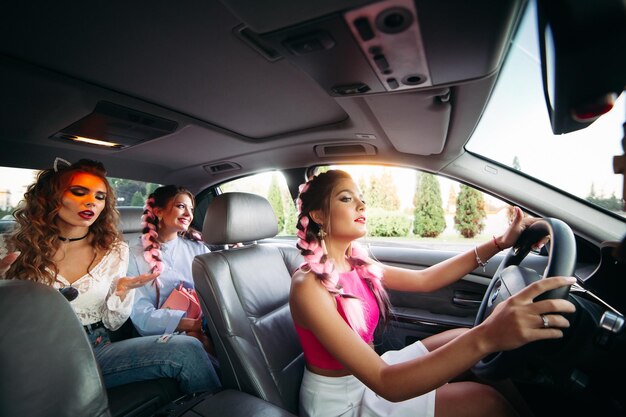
244,293
47,366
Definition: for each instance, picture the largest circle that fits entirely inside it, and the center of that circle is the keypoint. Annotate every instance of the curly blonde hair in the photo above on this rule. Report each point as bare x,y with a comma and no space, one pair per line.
37,235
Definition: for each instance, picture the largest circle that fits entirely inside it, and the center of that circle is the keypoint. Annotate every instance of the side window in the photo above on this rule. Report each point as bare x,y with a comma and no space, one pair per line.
404,206
271,185
131,192
14,181
13,184
413,208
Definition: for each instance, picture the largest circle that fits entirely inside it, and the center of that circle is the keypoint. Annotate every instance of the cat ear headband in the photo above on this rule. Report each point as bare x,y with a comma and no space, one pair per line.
56,167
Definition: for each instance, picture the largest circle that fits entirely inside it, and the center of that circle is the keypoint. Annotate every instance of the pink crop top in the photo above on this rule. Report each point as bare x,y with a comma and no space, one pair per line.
316,354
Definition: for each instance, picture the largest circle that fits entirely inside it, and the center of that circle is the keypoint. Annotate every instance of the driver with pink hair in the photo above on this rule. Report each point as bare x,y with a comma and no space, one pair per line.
338,296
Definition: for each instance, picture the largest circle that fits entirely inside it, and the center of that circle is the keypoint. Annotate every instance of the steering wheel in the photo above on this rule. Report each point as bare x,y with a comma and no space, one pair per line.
510,278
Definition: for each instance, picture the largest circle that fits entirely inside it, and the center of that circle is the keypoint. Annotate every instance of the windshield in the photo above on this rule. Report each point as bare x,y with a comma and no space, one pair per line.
579,163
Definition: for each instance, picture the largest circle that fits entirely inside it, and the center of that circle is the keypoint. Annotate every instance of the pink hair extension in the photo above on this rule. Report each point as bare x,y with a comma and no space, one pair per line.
372,273
316,261
353,309
149,239
196,235
302,188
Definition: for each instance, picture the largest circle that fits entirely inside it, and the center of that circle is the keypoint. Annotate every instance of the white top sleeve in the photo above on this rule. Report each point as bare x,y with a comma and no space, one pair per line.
96,299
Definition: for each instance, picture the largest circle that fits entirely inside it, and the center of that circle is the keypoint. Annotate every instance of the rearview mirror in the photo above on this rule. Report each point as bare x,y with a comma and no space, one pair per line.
583,59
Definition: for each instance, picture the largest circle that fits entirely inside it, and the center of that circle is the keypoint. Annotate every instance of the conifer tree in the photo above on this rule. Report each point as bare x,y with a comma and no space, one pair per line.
470,212
276,201
382,192
429,219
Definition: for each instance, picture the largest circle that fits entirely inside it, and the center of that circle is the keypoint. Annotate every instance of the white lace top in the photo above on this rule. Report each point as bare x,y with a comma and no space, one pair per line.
96,299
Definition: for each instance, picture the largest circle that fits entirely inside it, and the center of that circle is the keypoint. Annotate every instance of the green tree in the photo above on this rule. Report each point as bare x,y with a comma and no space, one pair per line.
470,212
418,181
611,203
138,199
276,200
382,192
516,165
150,187
375,192
390,200
291,216
125,189
428,219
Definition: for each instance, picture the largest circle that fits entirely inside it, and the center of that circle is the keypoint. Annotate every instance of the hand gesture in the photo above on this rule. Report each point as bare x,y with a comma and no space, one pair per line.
519,320
517,226
6,262
125,284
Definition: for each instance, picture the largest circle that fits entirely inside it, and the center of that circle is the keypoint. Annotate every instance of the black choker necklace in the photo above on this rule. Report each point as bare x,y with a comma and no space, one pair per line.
72,239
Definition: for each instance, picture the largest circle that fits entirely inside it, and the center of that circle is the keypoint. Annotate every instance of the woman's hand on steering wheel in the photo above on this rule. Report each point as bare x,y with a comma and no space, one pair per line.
520,320
515,229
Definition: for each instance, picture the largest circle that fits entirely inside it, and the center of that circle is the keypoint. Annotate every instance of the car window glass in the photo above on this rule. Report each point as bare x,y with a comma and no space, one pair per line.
578,163
273,187
14,181
392,196
413,208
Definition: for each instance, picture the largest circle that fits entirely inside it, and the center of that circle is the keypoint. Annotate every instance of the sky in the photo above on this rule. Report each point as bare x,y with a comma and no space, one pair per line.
517,115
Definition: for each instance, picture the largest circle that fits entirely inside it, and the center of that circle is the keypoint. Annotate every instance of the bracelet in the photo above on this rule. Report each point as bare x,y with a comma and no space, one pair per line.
480,261
495,242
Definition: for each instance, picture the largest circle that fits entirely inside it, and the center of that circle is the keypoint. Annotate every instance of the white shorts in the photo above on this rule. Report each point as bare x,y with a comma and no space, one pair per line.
346,396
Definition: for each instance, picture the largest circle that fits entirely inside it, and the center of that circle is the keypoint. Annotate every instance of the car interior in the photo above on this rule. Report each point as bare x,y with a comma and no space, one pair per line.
207,92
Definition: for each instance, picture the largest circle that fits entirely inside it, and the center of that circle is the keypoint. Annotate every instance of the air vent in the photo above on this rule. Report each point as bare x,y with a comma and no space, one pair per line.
221,167
116,124
345,149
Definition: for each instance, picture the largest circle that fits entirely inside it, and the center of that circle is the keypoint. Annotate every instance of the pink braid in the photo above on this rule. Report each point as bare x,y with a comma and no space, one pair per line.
315,260
373,275
149,239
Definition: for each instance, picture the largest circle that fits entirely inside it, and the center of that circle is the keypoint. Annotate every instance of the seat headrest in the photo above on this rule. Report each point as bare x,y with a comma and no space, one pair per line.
130,219
66,379
238,217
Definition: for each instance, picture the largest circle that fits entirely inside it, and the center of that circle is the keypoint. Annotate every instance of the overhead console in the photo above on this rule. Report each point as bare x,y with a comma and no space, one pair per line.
356,48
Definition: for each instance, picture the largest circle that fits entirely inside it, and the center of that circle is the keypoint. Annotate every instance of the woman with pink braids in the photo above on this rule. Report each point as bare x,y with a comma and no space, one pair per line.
338,297
168,245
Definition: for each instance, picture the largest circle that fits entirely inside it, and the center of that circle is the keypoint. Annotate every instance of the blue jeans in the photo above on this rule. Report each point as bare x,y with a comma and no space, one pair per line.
142,358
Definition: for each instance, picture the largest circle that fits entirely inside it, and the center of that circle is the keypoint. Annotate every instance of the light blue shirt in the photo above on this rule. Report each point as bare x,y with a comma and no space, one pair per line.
177,256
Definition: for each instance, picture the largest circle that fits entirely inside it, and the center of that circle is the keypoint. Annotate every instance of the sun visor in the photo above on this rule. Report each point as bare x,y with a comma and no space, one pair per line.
414,122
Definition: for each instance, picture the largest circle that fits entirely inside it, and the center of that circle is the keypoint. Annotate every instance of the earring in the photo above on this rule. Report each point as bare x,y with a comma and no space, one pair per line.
321,234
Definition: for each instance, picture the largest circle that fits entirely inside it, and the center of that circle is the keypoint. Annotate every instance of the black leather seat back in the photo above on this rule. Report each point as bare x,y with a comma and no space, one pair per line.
245,295
47,366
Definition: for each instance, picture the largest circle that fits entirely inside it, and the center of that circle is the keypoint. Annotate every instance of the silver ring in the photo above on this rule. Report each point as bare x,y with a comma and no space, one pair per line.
546,322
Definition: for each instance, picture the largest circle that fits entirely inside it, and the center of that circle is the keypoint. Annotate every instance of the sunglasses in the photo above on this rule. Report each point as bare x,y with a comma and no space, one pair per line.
70,293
